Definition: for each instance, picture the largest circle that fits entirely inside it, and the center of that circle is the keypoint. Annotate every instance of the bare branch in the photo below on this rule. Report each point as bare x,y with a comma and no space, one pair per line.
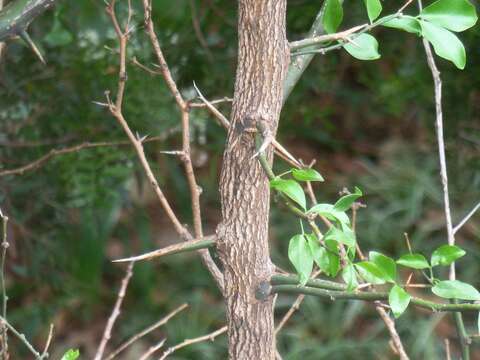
464,339
183,106
4,245
295,306
115,312
22,338
152,349
41,161
146,331
188,342
390,324
466,218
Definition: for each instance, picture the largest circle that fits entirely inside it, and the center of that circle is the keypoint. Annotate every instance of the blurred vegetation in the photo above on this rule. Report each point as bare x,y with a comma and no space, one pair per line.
369,124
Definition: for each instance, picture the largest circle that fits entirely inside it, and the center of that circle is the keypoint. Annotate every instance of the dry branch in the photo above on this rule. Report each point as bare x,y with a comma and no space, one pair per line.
188,342
146,331
115,312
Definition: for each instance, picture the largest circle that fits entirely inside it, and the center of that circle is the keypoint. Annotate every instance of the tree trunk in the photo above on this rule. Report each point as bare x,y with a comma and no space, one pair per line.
243,234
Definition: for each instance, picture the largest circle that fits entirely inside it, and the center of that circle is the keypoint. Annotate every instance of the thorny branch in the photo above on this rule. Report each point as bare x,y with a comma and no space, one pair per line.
41,161
464,338
184,108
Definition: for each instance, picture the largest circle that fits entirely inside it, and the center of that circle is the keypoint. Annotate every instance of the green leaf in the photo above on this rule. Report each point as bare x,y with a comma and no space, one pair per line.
350,277
71,355
454,289
333,16
455,15
331,213
333,258
345,202
363,47
385,263
414,261
307,175
371,272
398,300
445,43
301,257
327,260
290,188
405,23
344,237
374,8
446,254
319,253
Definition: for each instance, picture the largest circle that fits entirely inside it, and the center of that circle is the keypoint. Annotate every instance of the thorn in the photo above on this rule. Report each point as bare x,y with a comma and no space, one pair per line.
267,141
100,103
24,35
173,152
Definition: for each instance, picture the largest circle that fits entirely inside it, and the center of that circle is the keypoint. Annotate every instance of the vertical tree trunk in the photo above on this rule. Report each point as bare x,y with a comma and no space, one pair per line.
243,234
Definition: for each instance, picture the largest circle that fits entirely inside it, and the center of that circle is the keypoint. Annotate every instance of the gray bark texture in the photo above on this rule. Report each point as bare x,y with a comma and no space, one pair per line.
263,57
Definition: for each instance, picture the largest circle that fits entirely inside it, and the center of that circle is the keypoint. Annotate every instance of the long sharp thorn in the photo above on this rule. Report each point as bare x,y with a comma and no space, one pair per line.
24,35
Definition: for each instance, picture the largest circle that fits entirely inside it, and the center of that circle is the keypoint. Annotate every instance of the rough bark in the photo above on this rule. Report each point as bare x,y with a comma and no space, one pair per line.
244,189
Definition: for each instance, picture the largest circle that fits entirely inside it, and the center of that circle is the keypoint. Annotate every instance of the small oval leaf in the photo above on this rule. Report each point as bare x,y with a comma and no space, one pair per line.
454,289
333,16
345,202
414,261
398,300
371,272
307,175
405,23
363,47
455,15
71,354
446,254
350,277
385,263
445,43
374,8
290,188
301,257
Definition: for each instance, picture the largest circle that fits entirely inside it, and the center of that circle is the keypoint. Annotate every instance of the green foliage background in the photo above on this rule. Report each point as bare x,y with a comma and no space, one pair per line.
369,124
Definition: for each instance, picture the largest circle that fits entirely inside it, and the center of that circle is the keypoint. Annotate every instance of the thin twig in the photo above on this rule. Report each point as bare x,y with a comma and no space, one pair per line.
183,106
152,349
389,322
4,245
188,342
47,343
294,307
466,218
116,111
34,165
107,334
22,338
146,331
464,339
